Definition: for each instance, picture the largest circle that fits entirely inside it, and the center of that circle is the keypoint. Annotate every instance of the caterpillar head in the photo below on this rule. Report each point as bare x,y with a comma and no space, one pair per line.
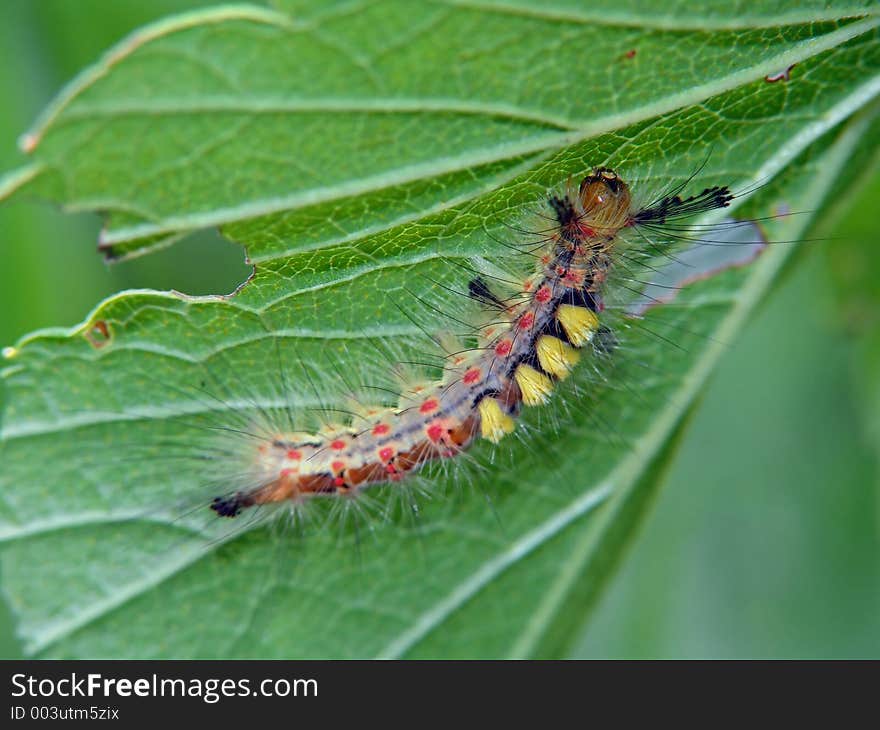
605,198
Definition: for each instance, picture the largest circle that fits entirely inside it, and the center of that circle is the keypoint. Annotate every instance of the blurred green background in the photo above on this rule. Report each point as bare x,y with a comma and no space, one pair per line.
765,540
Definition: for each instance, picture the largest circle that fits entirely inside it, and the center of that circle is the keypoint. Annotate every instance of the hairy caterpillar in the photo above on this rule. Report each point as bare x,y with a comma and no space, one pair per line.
535,339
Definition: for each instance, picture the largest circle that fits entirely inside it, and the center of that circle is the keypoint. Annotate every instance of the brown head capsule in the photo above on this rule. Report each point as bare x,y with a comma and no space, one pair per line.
605,200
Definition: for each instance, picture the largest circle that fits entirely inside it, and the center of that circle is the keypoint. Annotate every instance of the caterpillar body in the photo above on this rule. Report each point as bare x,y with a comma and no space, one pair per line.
536,339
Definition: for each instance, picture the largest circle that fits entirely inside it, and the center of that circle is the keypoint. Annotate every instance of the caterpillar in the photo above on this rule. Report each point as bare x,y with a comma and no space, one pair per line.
535,340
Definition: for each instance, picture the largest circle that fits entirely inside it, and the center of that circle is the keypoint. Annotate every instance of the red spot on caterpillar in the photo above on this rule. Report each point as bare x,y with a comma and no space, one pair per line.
294,454
574,278
435,432
380,429
429,406
338,482
287,472
503,348
337,445
527,285
471,376
631,53
543,295
386,454
527,321
337,465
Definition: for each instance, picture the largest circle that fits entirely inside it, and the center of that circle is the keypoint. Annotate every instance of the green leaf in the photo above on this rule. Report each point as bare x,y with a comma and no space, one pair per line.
359,151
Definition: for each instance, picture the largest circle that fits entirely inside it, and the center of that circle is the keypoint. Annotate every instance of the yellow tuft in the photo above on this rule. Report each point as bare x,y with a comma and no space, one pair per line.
494,423
556,356
534,386
579,323
9,352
